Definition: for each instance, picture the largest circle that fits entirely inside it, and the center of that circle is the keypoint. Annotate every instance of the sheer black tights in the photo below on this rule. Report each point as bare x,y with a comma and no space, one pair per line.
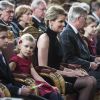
86,87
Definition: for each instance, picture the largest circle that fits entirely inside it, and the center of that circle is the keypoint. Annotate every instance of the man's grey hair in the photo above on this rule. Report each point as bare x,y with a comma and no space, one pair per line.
83,5
75,12
6,4
36,3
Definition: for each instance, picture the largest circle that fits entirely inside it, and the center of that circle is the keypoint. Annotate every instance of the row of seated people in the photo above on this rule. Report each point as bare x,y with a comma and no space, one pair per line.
49,53
25,66
19,15
46,90
21,65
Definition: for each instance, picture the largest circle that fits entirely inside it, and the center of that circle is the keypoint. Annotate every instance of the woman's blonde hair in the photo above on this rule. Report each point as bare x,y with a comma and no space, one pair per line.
20,10
53,12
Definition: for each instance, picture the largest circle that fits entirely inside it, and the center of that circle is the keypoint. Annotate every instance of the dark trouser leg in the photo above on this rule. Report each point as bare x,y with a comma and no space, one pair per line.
96,74
86,87
53,96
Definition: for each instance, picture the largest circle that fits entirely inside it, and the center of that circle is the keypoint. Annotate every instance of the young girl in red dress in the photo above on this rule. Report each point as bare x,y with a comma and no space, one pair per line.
21,64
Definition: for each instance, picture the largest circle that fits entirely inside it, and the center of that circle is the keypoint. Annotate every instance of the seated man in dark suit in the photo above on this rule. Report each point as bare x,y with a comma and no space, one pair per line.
16,89
75,50
6,17
38,12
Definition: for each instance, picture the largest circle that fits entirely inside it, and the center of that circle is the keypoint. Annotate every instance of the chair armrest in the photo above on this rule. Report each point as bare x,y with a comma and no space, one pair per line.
71,66
45,69
22,76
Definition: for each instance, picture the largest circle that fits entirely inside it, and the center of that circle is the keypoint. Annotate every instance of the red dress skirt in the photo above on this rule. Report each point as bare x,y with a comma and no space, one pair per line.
23,67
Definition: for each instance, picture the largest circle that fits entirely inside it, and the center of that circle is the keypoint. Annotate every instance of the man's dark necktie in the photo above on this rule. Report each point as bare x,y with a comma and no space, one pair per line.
83,44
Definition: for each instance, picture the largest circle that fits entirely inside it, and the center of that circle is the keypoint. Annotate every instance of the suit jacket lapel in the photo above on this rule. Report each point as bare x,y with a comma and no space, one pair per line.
5,71
81,46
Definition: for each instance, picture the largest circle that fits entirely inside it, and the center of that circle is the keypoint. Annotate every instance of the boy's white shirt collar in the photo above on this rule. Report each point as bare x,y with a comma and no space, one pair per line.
3,57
